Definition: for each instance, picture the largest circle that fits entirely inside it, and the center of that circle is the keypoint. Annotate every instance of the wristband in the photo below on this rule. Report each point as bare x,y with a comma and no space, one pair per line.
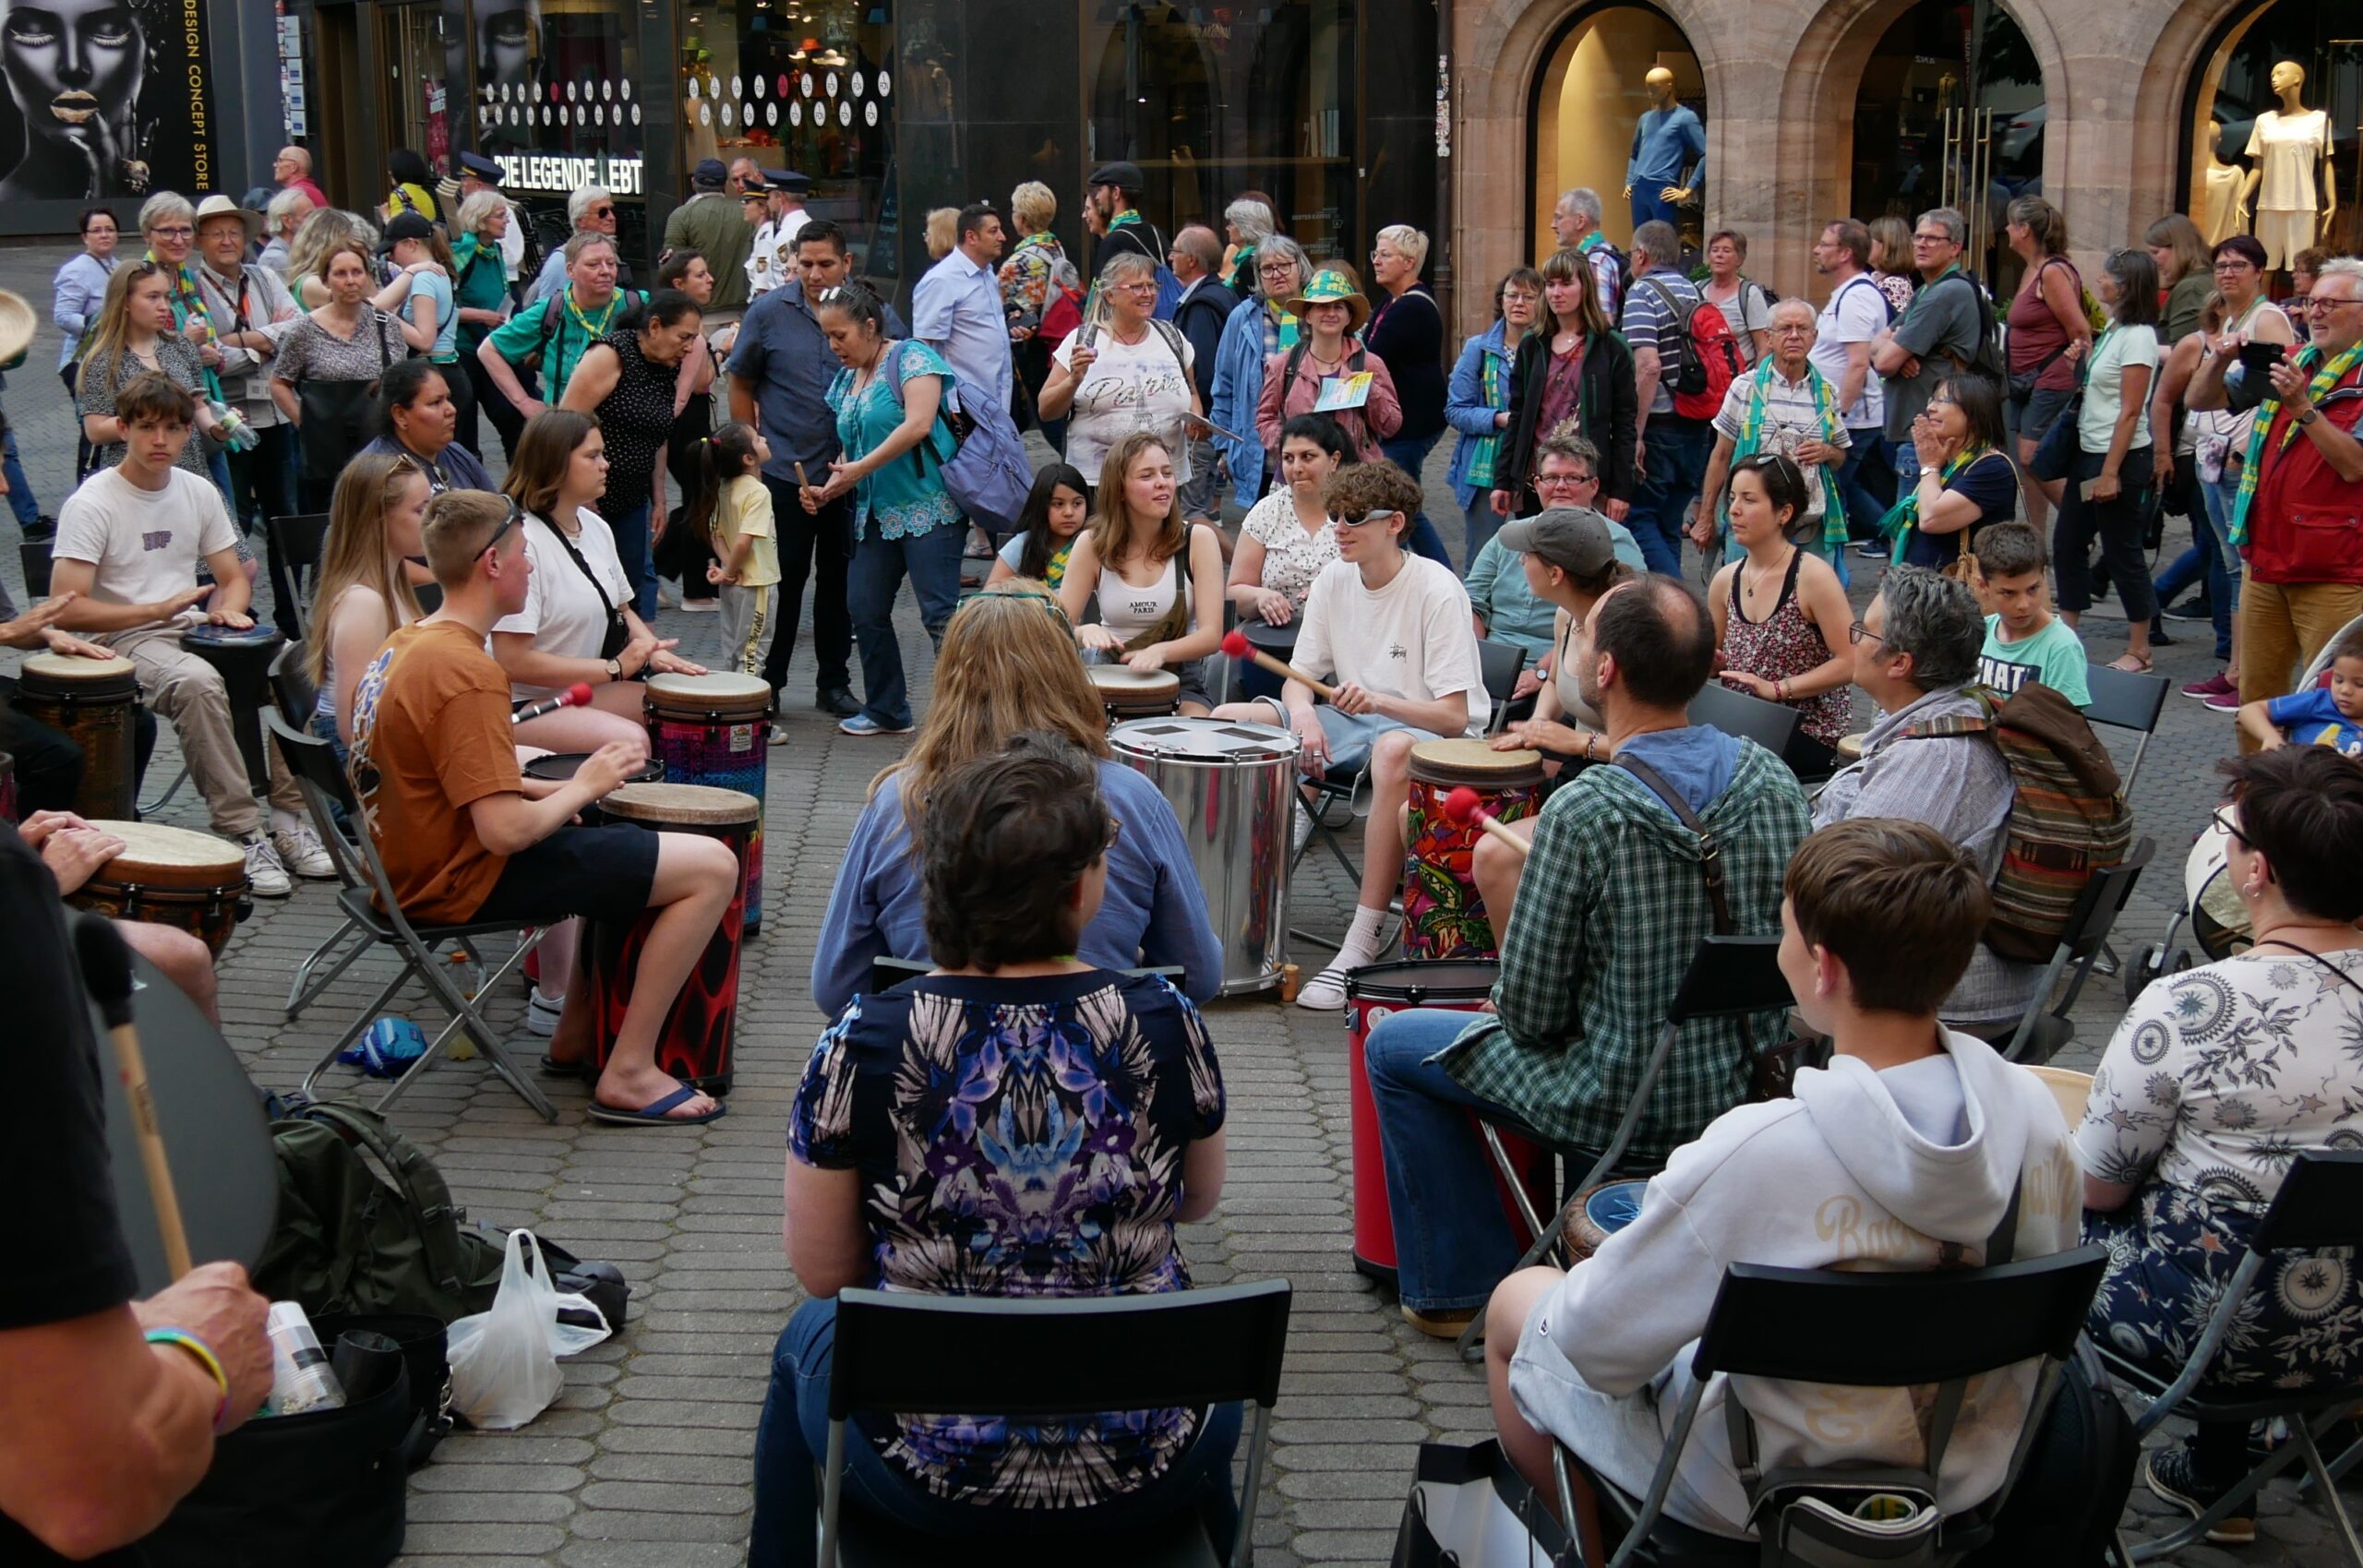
182,1339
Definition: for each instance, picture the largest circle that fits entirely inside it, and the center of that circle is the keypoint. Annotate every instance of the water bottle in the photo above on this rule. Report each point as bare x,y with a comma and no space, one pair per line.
236,433
301,1378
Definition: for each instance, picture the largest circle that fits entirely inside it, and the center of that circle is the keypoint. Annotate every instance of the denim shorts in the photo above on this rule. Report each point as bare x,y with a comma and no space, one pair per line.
2032,416
1351,736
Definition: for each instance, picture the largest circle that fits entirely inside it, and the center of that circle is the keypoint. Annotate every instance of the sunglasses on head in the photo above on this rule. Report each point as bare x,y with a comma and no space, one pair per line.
516,515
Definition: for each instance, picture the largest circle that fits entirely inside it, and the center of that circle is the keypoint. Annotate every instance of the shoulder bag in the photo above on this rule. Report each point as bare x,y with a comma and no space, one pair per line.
2055,455
617,633
986,471
336,414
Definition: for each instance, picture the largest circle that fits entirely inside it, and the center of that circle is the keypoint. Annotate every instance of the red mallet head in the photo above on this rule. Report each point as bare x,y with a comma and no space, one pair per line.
1235,643
578,695
1462,806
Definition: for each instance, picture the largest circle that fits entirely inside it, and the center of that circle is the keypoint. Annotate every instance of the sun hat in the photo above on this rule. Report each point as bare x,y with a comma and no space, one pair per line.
220,205
1330,286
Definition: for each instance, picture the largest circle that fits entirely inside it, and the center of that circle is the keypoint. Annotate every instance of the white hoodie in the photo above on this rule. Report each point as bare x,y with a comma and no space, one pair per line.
1909,1168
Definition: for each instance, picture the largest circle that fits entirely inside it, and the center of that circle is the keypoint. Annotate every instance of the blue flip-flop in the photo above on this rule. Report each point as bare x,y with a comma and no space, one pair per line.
654,1114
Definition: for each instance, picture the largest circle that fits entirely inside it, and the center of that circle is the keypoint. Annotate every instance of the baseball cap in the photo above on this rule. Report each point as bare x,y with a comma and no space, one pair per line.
1573,539
406,226
709,175
1125,177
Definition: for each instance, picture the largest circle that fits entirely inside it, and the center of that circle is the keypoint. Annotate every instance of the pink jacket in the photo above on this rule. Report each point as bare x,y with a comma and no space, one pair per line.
1379,417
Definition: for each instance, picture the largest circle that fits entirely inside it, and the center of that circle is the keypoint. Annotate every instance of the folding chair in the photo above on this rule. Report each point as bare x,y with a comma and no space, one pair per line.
2319,1205
295,543
313,762
1499,665
2129,701
292,690
1849,1330
290,685
1043,1357
1728,977
1769,724
2045,1028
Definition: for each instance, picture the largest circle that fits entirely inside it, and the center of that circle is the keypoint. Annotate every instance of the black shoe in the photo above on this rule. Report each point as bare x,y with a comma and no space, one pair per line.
2190,610
2158,637
2174,1476
837,702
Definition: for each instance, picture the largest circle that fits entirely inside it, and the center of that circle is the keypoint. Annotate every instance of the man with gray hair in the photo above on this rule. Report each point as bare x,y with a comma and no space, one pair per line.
1575,223
287,210
591,210
1205,304
1939,334
1784,405
1674,449
1916,655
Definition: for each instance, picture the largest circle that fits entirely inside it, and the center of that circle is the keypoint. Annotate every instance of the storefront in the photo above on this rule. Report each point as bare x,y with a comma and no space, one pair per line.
2270,128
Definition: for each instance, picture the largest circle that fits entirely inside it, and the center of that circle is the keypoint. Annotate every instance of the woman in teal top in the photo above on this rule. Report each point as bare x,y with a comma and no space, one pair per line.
480,289
889,401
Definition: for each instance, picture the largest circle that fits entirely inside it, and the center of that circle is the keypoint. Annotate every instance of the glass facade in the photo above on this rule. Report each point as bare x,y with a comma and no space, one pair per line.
2251,165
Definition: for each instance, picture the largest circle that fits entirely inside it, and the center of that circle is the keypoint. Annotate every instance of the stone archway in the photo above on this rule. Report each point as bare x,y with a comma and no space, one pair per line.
2156,186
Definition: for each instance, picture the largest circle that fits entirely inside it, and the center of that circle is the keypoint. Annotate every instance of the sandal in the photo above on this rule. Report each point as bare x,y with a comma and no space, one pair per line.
2132,664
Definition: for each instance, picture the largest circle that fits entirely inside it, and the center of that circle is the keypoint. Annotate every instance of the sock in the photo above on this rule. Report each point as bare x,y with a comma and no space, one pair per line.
1361,938
553,1003
283,820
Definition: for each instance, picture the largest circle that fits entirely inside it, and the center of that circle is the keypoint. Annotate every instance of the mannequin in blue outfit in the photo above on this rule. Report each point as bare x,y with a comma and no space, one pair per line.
1668,141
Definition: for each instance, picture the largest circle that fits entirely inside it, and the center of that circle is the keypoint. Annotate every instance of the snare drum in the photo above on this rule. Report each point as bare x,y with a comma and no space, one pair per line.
1128,693
173,877
1849,747
556,767
242,656
714,730
1443,914
694,1044
95,703
1600,1213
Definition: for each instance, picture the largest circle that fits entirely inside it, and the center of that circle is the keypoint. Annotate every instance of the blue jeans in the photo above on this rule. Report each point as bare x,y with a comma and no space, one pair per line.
1867,449
1481,523
2222,497
793,1437
1409,453
1674,468
932,561
631,548
1452,1243
20,489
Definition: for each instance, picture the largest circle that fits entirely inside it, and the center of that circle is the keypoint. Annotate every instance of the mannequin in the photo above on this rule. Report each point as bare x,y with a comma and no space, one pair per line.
2281,187
2223,211
1665,143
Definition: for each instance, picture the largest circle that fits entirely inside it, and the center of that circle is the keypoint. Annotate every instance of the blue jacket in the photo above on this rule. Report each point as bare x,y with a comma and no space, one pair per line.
1154,912
1465,408
1239,387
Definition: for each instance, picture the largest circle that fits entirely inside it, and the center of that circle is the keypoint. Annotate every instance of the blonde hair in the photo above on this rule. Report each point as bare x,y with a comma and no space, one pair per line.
1035,206
1409,240
324,229
112,330
942,231
1008,664
1111,524
457,529
357,554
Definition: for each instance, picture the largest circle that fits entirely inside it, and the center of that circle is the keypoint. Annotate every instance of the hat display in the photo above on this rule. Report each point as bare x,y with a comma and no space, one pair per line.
710,175
406,226
1124,176
1330,286
218,205
478,165
17,324
1573,539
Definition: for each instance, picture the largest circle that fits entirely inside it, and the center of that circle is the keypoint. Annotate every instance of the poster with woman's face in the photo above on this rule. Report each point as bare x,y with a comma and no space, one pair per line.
106,98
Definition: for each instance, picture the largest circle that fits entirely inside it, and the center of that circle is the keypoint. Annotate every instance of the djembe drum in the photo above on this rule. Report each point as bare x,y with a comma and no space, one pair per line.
94,703
714,730
1128,693
1443,916
172,875
243,654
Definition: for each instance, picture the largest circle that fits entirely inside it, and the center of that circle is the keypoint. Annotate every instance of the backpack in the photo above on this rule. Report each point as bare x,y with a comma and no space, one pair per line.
2073,1486
1887,305
2068,815
1987,358
1062,315
1612,307
1705,355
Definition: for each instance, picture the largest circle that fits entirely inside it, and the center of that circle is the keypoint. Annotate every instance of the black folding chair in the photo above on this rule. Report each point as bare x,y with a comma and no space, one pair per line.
295,544
1849,1330
291,684
1499,665
2320,1206
1026,1359
2046,1027
313,762
1769,724
2127,700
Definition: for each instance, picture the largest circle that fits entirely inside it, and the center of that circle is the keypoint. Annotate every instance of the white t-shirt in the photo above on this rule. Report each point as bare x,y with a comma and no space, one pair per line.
1857,313
1129,387
2119,348
563,613
145,543
1412,639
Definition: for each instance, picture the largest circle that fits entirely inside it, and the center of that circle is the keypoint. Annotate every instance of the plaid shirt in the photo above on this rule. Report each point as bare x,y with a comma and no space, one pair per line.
1610,908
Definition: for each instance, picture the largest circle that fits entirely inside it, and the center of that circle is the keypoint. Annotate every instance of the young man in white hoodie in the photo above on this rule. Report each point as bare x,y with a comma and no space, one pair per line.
1902,1154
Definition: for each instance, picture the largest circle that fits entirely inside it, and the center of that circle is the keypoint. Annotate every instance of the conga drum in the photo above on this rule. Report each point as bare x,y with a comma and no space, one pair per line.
175,877
1600,1213
559,766
1128,693
694,1044
1372,992
712,730
244,658
1443,914
94,703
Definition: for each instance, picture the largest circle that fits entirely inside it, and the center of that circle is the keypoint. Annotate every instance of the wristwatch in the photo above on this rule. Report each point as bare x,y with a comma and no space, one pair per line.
614,669
2307,417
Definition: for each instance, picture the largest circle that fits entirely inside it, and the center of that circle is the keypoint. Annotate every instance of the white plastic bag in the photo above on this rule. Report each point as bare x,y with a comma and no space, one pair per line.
504,1362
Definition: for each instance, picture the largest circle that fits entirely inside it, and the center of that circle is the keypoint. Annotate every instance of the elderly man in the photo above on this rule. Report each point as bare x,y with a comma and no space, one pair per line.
292,170
559,328
1674,449
2303,461
250,308
1915,655
1575,223
710,223
1205,308
280,220
591,210
1939,333
746,177
1612,905
1857,312
1784,405
772,258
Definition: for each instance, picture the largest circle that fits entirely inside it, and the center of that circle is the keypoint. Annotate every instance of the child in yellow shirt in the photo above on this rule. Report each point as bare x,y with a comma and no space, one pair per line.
734,512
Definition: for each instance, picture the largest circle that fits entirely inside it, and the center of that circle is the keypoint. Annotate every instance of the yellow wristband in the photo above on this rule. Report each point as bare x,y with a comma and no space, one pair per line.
182,1339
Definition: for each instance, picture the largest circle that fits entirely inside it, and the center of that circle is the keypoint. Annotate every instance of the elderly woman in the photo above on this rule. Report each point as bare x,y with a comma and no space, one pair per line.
1249,338
942,231
558,332
1328,361
420,421
2216,1078
1134,373
168,226
326,364
1477,402
1407,332
1009,665
1026,276
627,381
1787,407
480,288
1247,223
897,1190
280,220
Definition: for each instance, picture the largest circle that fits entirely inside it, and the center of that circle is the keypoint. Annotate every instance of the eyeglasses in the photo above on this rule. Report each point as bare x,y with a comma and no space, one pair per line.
1115,831
1277,269
2317,302
516,512
1364,519
1793,330
180,232
1932,239
2234,264
1565,480
2217,818
603,212
1858,632
1942,402
1145,286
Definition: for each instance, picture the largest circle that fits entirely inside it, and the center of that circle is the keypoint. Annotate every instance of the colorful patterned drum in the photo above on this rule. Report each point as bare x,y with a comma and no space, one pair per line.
694,1045
95,703
714,730
1442,915
243,654
1600,1213
1128,693
175,877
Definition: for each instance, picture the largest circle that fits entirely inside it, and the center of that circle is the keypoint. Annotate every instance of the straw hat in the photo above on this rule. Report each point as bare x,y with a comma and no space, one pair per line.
218,205
1330,287
17,324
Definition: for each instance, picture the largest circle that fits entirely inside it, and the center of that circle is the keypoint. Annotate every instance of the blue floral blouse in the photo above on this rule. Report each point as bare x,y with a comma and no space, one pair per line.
906,497
1020,1138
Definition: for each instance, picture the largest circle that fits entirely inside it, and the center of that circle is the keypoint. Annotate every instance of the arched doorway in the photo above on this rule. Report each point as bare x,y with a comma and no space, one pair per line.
2238,141
1588,99
1951,114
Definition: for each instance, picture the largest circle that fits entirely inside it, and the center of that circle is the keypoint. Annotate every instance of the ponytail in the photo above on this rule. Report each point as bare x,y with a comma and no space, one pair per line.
723,456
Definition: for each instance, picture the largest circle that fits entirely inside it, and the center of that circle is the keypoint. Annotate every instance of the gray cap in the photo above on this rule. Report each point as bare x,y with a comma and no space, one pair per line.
1573,539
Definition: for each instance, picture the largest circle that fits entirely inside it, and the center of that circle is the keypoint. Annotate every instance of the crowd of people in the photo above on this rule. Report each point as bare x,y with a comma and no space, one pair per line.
1244,429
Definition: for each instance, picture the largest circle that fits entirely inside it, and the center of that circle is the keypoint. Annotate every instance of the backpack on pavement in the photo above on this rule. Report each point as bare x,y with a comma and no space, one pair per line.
1706,357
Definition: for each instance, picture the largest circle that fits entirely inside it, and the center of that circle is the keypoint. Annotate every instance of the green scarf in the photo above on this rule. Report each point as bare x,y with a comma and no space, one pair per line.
187,302
1279,328
1488,449
1751,436
2327,377
1903,520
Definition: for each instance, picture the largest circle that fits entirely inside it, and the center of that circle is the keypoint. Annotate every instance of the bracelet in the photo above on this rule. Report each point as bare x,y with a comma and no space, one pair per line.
182,1339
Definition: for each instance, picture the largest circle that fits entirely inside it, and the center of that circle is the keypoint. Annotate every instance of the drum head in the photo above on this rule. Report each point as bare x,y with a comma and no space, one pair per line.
683,804
210,635
1614,1206
720,687
1462,760
67,667
194,858
1849,747
1417,980
1200,741
1122,681
556,767
1280,639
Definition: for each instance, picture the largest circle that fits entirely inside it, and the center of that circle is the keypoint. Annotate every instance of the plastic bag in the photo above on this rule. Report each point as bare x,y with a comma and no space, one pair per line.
504,1362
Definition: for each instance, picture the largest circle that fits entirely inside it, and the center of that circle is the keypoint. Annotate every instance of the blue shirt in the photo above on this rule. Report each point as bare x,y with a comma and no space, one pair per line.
1154,913
783,352
436,287
2311,718
956,311
1665,143
1697,760
455,468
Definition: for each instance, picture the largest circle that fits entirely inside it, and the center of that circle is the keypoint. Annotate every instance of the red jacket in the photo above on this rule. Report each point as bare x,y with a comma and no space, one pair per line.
2305,523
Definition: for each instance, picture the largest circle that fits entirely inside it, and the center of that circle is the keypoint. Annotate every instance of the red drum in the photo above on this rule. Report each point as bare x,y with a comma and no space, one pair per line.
1372,992
1443,914
712,730
695,1043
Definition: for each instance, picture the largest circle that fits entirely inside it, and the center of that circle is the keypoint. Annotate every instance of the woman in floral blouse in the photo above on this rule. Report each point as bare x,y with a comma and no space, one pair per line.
2217,1078
1017,1124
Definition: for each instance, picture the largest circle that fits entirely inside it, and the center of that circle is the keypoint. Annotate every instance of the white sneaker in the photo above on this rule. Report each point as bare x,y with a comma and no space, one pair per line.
702,606
263,869
1326,992
300,851
1302,833
541,1014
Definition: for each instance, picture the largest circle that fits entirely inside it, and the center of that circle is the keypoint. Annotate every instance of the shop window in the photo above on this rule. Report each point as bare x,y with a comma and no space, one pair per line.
1590,100
556,92
2280,88
425,53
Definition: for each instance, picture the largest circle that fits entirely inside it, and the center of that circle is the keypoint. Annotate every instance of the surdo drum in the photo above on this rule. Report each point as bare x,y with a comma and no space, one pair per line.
173,877
714,730
1443,914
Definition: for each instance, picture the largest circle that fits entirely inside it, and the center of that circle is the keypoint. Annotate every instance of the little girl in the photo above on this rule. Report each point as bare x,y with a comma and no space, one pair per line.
1054,515
734,512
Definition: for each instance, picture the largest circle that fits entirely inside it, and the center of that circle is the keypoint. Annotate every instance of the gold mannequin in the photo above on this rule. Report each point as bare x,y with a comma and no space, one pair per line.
2291,186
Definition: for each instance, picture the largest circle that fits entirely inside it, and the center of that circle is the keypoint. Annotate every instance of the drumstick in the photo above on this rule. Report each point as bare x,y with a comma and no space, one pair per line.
1235,643
803,483
106,971
575,696
1461,805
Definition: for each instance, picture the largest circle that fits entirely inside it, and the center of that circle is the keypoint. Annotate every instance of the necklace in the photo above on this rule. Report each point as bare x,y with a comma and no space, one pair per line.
1748,589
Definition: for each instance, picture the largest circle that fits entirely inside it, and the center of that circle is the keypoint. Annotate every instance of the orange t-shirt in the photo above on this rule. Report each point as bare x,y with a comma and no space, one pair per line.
430,737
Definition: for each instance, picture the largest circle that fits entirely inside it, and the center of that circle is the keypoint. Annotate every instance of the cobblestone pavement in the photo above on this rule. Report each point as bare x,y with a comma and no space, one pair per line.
644,1459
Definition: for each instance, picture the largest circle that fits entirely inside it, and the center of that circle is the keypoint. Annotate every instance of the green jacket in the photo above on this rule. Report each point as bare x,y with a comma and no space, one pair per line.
712,224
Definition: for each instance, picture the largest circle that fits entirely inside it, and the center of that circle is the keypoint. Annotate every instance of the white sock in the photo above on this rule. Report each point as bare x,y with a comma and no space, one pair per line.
1361,938
283,820
552,1002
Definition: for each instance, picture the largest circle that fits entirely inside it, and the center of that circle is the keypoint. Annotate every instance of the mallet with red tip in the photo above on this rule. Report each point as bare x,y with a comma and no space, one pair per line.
1235,643
1463,808
575,696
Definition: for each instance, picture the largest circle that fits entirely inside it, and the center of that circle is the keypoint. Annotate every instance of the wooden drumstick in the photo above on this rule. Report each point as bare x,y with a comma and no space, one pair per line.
803,483
106,971
1462,806
1235,643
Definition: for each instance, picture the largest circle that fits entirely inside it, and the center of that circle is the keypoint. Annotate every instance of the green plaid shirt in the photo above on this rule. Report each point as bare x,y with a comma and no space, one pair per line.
1612,904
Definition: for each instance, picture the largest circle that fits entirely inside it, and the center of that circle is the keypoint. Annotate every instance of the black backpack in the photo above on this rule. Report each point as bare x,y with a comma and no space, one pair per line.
2071,1491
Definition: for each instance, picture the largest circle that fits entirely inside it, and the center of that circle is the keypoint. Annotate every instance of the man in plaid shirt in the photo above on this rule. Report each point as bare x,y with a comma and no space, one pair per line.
1610,907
